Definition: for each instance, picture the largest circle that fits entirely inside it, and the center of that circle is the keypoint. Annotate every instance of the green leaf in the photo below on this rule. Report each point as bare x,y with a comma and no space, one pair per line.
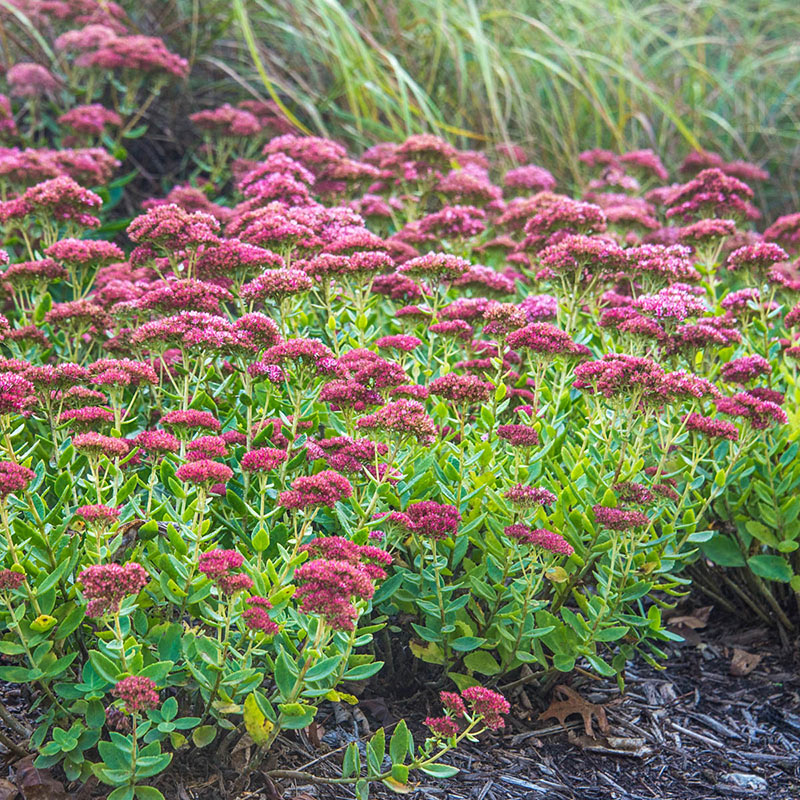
758,530
612,634
399,774
148,793
18,674
260,540
466,643
362,671
122,793
440,770
376,749
483,662
169,709
95,714
723,551
563,663
323,668
399,744
351,765
600,666
773,568
158,671
204,735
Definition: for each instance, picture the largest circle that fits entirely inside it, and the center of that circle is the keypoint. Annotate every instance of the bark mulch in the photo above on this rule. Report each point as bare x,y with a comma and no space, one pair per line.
723,720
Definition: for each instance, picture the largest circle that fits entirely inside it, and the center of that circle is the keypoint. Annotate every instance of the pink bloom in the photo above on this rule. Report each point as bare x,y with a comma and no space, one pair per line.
519,435
435,267
757,257
216,563
401,418
94,444
26,79
144,54
90,119
547,540
190,419
87,418
256,618
710,193
138,693
461,388
328,588
431,520
227,121
85,252
206,447
542,338
105,585
529,178
204,472
157,442
711,427
277,284
745,369
14,478
523,496
487,703
403,342
444,727
264,459
456,328
618,519
326,488
103,515
761,414
10,580
16,393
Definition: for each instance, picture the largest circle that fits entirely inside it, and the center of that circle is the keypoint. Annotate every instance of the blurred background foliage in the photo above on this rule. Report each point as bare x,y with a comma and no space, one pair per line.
555,77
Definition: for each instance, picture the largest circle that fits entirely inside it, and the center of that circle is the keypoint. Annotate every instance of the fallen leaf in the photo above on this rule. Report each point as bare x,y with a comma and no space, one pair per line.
7,790
37,784
611,745
743,663
573,703
697,619
315,733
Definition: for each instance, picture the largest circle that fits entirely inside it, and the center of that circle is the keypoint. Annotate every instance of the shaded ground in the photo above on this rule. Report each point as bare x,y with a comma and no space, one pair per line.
693,732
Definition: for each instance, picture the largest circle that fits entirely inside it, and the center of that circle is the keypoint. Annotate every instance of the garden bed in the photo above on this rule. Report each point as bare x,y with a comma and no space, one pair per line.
693,732
367,470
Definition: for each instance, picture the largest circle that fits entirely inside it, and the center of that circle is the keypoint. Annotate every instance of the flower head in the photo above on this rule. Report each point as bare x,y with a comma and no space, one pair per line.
326,488
619,519
204,472
105,585
522,496
329,588
489,704
138,693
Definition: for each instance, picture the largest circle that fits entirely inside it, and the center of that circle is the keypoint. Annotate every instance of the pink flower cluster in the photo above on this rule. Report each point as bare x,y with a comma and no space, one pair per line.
138,693
326,488
105,585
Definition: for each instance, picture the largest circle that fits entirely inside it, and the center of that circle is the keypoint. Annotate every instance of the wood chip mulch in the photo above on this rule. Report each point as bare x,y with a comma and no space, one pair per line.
722,721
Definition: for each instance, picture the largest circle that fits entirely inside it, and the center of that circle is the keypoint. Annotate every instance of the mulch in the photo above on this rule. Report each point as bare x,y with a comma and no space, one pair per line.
722,721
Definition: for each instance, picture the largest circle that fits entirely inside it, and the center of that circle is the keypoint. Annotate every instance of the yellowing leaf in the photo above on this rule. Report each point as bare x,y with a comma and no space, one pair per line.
430,652
556,574
43,623
257,725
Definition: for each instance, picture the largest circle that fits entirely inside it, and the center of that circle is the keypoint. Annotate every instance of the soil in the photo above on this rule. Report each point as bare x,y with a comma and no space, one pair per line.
722,721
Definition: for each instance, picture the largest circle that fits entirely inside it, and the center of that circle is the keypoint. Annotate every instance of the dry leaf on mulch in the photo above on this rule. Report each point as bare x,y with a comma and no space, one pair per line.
743,663
573,703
